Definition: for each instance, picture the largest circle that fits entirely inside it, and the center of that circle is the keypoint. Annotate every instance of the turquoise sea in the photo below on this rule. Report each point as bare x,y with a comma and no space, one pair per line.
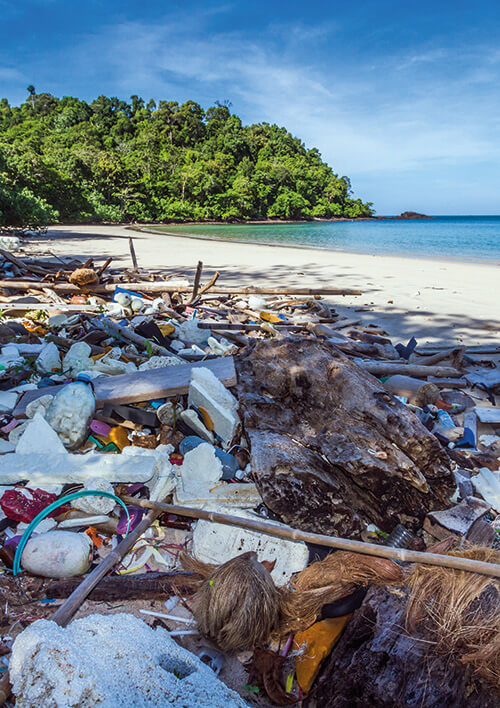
470,238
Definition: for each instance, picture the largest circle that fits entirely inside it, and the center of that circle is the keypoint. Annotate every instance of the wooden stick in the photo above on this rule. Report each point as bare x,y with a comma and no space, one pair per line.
210,284
345,544
70,607
129,334
196,285
160,286
383,368
103,267
132,254
436,358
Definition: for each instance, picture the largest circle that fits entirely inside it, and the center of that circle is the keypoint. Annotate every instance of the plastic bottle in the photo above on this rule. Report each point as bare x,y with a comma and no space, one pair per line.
399,537
71,411
445,419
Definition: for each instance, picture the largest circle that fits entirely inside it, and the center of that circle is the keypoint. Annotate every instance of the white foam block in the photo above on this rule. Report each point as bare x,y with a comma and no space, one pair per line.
40,438
42,469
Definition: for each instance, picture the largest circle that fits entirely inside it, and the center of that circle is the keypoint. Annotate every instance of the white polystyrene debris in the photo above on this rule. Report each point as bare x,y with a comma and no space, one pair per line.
191,419
57,554
39,405
220,347
43,526
83,521
6,446
164,480
39,437
96,505
42,469
158,362
189,331
8,400
48,360
10,357
78,359
112,365
15,433
206,391
111,661
257,302
71,412
487,483
10,243
176,345
234,495
200,468
218,543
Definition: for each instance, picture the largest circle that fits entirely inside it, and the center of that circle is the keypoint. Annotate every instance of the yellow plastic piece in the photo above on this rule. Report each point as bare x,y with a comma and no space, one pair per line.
166,329
96,357
206,418
269,317
316,643
119,437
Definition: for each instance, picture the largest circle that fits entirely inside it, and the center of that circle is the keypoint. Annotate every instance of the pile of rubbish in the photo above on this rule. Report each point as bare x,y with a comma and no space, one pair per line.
158,439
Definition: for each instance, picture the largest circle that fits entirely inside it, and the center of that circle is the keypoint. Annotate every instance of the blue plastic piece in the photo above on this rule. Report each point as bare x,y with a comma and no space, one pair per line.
229,463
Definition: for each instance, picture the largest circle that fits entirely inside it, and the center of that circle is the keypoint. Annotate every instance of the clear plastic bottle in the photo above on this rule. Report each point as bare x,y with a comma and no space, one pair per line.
71,411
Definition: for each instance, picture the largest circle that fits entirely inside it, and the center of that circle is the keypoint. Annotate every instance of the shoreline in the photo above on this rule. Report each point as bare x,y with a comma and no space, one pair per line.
297,246
437,301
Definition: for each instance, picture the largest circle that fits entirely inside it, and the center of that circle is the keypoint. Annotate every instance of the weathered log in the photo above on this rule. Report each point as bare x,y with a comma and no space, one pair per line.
377,664
331,449
146,586
388,368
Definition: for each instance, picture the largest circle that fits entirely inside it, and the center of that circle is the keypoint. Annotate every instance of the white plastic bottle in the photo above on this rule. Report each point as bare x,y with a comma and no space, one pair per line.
71,411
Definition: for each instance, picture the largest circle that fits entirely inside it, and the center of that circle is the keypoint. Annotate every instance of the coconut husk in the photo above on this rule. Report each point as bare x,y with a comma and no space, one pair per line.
82,277
237,606
338,575
461,611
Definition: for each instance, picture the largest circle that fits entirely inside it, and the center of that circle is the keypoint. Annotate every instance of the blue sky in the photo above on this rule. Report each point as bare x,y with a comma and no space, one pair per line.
401,96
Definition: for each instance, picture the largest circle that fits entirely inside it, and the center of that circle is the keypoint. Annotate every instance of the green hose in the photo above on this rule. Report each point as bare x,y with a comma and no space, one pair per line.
16,567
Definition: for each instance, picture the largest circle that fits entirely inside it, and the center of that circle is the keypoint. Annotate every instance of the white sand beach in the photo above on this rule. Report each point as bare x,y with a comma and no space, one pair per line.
437,301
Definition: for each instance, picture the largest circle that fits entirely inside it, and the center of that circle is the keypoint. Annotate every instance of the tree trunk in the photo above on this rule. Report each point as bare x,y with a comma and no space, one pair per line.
377,664
331,449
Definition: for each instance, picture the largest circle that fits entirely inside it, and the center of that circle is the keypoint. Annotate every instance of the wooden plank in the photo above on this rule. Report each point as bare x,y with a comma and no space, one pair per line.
488,415
142,385
159,383
383,368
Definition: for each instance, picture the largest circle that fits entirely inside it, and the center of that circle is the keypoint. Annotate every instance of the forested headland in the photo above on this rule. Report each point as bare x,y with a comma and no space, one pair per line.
68,160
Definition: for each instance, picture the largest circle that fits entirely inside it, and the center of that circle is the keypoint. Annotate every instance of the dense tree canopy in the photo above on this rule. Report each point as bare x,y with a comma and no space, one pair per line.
109,160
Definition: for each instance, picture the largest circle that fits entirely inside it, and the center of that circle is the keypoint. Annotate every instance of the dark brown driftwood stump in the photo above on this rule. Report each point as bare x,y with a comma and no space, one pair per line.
330,448
377,664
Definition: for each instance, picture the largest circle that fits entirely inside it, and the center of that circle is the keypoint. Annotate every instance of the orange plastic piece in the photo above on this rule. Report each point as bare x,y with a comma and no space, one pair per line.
119,436
78,300
94,536
96,357
316,643
269,317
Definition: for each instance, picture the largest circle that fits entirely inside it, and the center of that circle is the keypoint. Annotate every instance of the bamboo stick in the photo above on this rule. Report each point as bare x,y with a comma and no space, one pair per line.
345,544
161,286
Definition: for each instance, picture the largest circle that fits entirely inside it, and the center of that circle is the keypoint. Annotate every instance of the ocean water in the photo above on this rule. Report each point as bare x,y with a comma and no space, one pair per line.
470,238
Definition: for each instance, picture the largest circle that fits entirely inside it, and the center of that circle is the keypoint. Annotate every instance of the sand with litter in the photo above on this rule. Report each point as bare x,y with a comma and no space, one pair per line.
438,301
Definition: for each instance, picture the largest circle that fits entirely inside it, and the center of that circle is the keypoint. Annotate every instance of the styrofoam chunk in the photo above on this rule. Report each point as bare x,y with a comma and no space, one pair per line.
218,543
39,438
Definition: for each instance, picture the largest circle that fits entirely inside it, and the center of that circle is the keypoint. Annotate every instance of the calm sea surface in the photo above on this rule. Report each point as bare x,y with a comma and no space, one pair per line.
456,237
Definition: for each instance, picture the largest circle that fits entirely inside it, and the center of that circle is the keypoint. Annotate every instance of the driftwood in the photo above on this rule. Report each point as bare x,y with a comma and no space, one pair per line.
388,368
377,664
146,586
331,449
161,286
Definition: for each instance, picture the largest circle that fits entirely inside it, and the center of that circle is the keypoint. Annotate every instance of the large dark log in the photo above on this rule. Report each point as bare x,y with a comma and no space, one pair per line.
377,664
331,449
